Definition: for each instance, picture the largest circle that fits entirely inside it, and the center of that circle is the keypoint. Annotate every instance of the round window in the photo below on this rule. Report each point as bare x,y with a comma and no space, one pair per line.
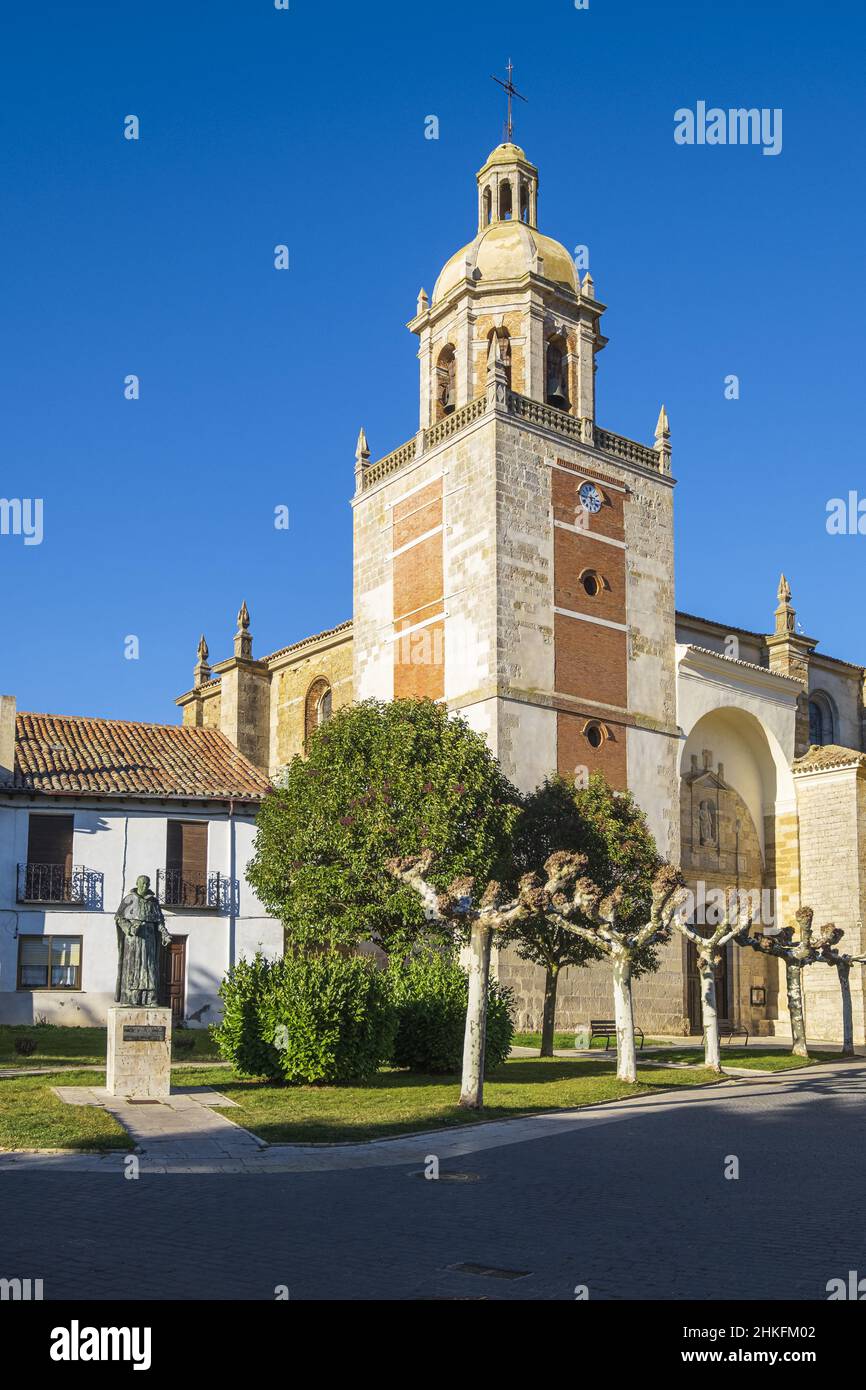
591,583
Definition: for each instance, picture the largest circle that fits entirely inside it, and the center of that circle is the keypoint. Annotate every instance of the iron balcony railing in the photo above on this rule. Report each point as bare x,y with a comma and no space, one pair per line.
173,890
56,883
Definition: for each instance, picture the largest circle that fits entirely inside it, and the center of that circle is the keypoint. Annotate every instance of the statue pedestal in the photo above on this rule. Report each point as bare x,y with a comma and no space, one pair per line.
139,1053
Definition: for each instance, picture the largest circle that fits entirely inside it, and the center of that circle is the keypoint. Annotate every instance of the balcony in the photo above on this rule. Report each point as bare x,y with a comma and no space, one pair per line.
200,894
58,885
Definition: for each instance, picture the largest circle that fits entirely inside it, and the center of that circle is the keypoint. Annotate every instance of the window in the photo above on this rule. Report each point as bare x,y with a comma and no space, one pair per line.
49,962
822,722
592,583
556,381
524,201
185,882
47,875
318,706
445,393
488,207
498,341
595,733
505,201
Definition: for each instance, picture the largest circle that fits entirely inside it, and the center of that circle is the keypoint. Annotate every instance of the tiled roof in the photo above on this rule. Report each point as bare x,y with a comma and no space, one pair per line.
829,755
114,757
735,661
345,627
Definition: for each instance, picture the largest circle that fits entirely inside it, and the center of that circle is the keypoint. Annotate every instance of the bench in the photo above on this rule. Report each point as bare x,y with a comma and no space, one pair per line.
606,1028
728,1030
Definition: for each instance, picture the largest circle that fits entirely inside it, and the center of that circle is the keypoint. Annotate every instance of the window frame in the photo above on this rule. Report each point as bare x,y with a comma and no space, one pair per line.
50,937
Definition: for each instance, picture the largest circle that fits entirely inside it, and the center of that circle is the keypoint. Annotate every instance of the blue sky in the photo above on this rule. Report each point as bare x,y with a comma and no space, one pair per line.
306,127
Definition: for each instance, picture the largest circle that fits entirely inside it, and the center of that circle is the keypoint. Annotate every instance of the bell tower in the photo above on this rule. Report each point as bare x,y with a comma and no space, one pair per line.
512,283
513,559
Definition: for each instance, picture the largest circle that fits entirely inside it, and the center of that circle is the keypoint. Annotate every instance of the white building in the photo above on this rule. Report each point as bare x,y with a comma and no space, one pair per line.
86,806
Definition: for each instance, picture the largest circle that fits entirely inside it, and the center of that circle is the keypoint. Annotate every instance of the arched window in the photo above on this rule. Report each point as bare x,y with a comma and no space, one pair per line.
556,376
445,393
505,211
487,205
524,201
498,340
822,719
317,706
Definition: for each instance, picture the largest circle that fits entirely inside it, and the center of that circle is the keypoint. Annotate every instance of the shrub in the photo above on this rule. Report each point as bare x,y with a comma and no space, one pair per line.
325,1018
430,992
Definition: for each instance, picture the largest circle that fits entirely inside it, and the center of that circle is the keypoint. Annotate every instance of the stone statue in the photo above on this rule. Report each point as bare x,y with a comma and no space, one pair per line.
707,817
141,934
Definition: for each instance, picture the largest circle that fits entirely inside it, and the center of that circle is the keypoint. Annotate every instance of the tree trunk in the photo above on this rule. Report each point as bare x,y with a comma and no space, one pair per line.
472,1088
844,971
796,1008
712,1051
626,1068
548,1019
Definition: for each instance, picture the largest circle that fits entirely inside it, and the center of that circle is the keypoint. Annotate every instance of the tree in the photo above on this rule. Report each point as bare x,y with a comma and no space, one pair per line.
578,904
611,831
707,950
797,951
379,781
455,909
568,900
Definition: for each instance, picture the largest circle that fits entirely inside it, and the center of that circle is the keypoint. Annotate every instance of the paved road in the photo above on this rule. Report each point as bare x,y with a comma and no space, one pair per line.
618,1203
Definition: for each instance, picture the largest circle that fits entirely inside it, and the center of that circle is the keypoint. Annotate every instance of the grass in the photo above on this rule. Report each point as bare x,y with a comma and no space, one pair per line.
69,1047
398,1102
32,1117
769,1059
567,1040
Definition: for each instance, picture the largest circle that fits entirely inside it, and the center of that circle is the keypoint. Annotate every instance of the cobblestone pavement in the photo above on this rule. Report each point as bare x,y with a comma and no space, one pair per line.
620,1204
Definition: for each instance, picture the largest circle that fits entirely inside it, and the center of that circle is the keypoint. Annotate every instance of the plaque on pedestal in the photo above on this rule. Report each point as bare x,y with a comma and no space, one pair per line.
139,1053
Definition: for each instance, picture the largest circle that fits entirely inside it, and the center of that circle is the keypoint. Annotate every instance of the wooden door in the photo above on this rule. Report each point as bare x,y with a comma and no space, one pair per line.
173,993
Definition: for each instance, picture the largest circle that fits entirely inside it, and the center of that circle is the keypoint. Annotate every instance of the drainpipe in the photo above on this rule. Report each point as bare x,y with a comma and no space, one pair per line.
232,875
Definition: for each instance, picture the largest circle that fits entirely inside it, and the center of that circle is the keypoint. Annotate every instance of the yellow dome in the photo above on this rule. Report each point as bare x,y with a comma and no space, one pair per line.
506,251
505,154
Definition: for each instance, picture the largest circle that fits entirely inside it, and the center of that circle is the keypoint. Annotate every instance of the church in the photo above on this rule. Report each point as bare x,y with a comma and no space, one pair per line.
515,560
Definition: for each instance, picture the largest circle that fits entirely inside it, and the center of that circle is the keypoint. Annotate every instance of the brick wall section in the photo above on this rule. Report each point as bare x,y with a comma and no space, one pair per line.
418,589
573,751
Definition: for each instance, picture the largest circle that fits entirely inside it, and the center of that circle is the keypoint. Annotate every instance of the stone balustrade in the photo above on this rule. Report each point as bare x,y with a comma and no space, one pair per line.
524,408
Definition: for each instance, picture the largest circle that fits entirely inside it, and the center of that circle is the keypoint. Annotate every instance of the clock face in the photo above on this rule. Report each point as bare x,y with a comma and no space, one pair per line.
590,497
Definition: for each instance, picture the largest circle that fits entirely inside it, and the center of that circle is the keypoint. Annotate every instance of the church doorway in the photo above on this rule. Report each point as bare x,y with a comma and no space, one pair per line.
693,989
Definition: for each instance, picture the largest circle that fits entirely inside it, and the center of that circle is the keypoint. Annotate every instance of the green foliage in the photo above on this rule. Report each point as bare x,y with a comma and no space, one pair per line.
430,992
380,781
611,830
305,1020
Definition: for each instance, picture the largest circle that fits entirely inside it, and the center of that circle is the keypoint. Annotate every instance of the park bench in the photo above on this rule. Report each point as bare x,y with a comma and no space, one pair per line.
729,1031
606,1028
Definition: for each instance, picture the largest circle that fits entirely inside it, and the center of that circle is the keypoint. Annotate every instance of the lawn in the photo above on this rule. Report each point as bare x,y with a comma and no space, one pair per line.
69,1047
32,1117
397,1102
759,1059
567,1040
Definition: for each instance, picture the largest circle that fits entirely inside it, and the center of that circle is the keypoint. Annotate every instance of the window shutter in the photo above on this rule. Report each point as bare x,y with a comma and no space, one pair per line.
50,841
